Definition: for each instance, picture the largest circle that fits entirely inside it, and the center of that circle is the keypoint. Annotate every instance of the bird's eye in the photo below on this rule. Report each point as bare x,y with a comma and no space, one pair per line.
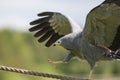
59,41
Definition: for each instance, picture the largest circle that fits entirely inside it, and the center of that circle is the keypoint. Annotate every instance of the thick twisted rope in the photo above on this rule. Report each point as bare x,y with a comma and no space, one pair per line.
35,73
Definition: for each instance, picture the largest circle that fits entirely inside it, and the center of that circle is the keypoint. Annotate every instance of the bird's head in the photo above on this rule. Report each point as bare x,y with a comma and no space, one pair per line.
64,42
57,43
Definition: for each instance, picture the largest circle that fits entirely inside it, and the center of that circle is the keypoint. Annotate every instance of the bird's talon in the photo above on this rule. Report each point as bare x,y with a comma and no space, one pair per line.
54,62
117,52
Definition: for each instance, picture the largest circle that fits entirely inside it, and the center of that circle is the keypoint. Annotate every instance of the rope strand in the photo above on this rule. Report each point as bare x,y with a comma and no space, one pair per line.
35,73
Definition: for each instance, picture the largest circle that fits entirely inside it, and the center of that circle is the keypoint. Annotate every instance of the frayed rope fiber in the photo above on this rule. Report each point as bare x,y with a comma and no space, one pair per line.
41,74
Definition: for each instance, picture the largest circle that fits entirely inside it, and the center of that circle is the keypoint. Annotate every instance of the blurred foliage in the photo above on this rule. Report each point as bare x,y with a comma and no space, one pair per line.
20,49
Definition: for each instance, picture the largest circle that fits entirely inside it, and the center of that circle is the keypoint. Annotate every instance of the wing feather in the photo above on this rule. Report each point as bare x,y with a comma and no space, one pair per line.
46,14
39,26
41,20
102,25
52,26
42,31
45,36
53,38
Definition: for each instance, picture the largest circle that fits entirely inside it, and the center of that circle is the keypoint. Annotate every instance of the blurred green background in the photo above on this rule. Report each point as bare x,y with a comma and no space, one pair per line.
19,49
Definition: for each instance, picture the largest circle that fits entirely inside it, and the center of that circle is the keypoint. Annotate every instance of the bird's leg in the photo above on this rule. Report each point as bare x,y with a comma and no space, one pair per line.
68,57
65,60
90,74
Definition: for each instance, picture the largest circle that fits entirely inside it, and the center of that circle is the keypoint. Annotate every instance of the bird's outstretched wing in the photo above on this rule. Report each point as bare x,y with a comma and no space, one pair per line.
102,26
52,26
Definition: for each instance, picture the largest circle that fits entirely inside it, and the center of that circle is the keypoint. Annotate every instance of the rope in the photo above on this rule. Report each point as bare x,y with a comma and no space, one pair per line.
35,73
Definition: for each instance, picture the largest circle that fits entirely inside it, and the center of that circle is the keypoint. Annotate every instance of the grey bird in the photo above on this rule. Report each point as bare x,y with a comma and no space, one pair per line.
99,40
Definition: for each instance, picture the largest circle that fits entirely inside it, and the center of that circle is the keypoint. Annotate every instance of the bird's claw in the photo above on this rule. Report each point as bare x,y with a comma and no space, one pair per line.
113,54
65,60
110,53
54,62
117,52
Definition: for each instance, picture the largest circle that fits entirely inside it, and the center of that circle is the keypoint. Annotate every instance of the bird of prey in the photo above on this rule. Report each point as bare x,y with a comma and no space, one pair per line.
99,40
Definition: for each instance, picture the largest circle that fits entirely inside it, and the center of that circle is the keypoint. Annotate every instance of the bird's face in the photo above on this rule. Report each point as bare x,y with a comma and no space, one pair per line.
57,43
64,42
